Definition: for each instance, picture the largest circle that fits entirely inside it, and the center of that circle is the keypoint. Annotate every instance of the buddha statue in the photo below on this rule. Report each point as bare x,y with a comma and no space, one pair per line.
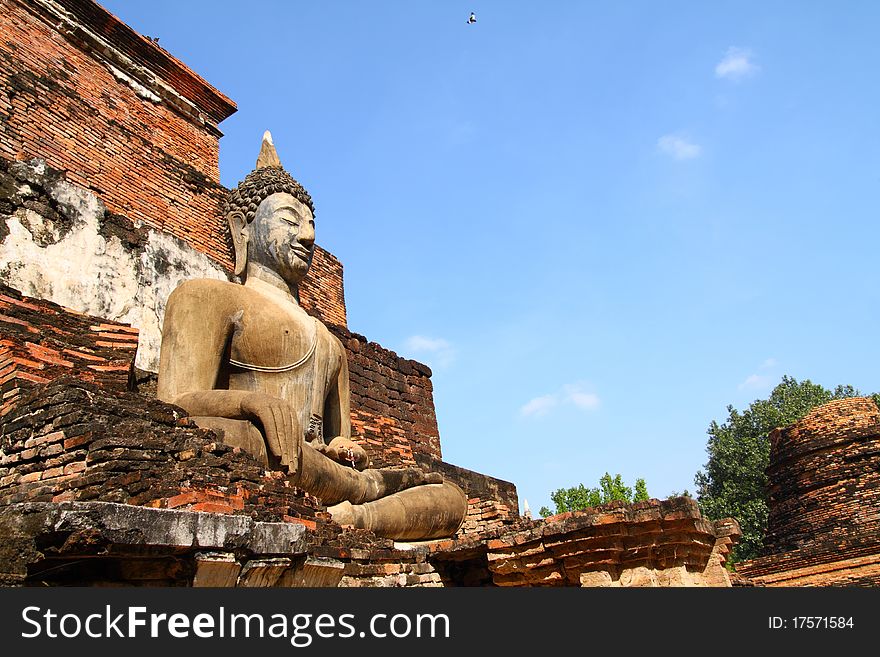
246,361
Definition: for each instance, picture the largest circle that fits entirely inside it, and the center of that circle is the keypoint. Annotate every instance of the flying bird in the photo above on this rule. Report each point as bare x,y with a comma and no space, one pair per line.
472,18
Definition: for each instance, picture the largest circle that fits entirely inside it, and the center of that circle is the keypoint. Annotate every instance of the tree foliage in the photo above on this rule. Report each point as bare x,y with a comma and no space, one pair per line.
733,483
580,497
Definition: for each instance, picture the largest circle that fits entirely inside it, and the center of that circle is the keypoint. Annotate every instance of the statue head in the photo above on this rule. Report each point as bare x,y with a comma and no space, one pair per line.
271,219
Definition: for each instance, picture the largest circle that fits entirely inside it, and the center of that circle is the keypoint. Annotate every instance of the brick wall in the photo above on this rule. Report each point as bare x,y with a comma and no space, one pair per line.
392,401
76,441
824,499
322,292
390,569
64,97
485,516
651,543
824,478
41,341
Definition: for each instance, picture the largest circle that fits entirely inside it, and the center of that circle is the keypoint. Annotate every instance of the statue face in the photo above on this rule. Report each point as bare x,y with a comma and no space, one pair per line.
282,237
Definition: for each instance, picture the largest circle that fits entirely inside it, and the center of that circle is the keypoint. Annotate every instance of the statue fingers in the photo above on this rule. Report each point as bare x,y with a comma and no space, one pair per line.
272,430
258,407
362,459
292,439
287,442
417,477
347,452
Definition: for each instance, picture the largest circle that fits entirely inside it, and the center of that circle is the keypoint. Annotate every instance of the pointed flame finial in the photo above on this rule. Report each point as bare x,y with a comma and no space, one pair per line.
268,156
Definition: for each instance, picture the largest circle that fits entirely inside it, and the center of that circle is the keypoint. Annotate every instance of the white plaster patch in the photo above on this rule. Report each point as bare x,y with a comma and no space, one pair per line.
87,273
136,86
81,271
166,262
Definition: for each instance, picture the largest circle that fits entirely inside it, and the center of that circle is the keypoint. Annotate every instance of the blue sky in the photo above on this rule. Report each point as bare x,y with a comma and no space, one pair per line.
599,223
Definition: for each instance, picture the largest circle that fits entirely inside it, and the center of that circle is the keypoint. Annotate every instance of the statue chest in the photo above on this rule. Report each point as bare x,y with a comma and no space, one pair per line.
272,339
284,353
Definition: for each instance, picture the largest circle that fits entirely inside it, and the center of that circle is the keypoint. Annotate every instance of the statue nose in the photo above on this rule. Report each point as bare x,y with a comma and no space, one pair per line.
306,235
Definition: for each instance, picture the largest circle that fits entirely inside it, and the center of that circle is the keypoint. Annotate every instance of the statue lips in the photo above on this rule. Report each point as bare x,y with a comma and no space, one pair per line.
303,254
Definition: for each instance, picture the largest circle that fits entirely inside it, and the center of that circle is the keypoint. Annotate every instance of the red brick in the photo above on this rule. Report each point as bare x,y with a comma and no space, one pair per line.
212,507
30,477
75,467
309,524
76,441
182,499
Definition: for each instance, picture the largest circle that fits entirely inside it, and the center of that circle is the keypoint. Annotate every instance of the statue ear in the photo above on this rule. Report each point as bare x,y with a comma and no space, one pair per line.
238,227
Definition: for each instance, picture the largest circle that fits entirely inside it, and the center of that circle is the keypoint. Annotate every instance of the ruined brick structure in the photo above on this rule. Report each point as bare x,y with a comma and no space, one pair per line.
824,500
121,116
392,402
650,543
109,198
41,341
75,441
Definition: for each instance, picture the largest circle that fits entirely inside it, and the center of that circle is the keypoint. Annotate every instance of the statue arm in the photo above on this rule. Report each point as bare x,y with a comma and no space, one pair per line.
337,412
337,419
195,332
271,413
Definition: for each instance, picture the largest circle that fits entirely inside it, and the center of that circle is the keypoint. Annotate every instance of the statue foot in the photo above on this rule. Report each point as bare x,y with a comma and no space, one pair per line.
418,513
342,514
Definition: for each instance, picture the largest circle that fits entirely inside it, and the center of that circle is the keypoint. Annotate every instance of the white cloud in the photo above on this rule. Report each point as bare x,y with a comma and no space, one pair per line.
437,351
760,381
737,64
572,393
678,147
538,406
582,399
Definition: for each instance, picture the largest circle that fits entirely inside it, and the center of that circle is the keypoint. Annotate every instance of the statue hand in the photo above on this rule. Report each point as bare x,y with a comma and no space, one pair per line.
347,452
393,480
275,416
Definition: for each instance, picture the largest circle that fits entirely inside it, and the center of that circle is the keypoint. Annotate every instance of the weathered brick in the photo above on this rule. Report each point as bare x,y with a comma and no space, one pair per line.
824,488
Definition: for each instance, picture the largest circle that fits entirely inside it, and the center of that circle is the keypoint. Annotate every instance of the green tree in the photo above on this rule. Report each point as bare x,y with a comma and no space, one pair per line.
580,497
733,483
641,491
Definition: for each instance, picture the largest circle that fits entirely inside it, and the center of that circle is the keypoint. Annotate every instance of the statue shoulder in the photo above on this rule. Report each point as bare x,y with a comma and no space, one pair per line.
334,344
201,290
